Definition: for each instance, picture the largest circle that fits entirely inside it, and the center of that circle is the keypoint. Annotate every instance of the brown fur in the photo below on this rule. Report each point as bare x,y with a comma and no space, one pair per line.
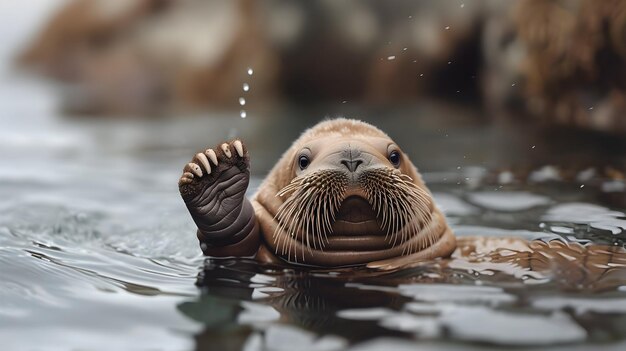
266,202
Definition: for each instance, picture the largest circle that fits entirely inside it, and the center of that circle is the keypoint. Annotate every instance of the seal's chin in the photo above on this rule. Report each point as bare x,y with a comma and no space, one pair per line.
356,217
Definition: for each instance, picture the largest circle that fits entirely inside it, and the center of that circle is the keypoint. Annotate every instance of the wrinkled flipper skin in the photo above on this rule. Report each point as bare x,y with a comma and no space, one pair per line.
213,186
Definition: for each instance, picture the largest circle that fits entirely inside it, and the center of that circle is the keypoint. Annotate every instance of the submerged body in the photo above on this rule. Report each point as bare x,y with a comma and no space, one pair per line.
343,194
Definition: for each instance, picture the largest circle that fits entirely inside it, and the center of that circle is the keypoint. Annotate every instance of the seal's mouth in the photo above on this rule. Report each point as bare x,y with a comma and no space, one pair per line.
356,217
355,209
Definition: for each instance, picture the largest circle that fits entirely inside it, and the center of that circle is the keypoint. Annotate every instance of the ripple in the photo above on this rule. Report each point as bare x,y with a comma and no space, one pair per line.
508,201
281,337
581,305
503,328
454,206
598,217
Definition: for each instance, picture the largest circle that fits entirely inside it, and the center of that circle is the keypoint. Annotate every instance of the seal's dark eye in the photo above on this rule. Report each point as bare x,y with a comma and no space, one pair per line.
394,158
303,161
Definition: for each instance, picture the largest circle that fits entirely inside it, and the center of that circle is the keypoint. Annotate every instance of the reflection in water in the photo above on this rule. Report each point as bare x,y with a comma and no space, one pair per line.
492,290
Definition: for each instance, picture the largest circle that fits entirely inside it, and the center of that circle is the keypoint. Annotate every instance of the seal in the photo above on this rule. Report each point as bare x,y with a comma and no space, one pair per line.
343,194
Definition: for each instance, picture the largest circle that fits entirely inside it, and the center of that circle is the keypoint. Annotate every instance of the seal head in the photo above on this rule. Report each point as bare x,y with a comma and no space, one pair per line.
346,194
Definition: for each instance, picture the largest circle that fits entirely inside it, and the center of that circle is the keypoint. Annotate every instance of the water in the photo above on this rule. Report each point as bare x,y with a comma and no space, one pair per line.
97,250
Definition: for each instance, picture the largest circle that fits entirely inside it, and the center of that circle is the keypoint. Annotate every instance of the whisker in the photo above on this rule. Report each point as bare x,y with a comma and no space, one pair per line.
403,208
308,212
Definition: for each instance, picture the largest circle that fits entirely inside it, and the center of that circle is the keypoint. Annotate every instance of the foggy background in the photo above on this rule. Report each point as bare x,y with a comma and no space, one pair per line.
500,85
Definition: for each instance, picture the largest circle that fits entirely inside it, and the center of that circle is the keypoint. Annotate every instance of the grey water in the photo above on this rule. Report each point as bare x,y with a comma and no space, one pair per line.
97,250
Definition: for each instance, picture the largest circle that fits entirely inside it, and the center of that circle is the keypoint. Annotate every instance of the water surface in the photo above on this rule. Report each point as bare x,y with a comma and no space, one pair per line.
97,250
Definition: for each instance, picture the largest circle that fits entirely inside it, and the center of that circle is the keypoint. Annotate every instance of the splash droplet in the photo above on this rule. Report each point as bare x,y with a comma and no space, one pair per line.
242,101
447,27
243,114
390,58
250,71
462,5
246,87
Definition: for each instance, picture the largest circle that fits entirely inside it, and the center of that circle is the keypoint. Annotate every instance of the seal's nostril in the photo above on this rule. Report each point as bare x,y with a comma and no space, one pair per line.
351,165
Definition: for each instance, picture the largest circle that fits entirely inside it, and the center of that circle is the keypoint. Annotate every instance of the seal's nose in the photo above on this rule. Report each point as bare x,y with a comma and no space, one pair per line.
351,158
351,165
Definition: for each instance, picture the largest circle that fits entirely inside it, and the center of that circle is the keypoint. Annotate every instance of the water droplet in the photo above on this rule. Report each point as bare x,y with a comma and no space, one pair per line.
582,186
344,101
447,27
390,58
421,74
459,167
246,87
410,17
462,5
250,71
243,114
532,147
449,62
242,101
513,84
591,108
404,49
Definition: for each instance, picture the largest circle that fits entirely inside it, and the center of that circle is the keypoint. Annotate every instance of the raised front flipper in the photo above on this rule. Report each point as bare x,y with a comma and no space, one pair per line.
213,186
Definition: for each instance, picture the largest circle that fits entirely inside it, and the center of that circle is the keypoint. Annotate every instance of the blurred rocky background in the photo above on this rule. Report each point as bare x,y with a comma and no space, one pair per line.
555,62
